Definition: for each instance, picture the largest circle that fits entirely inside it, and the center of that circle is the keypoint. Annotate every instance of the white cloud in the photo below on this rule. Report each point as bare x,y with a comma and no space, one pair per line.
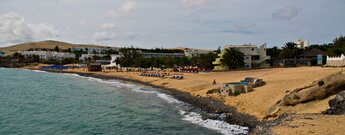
286,13
110,36
104,36
128,7
191,3
14,29
110,14
107,26
243,29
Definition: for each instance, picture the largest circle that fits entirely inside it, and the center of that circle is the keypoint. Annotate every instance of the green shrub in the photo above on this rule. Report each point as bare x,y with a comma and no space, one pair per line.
236,93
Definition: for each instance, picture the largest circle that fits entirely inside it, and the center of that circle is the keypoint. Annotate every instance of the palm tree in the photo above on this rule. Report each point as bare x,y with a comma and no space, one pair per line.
274,53
233,58
290,51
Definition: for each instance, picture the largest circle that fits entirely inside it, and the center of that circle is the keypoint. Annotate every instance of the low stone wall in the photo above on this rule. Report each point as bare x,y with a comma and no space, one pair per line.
336,61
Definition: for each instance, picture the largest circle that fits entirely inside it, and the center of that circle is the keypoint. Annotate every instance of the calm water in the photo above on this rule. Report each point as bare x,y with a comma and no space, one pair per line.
49,103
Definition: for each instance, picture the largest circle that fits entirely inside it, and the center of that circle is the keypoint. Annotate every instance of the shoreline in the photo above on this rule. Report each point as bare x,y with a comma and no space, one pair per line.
206,104
245,110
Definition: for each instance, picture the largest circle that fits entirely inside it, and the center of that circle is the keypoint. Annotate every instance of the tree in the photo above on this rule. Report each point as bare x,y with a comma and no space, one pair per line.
204,60
290,51
56,49
219,50
274,53
18,56
338,46
35,58
233,58
129,58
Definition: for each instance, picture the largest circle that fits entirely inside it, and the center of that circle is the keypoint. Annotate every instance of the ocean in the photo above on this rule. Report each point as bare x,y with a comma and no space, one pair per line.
42,103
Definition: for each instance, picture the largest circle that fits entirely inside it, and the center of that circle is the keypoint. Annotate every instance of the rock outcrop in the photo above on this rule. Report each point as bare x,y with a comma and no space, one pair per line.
317,90
337,105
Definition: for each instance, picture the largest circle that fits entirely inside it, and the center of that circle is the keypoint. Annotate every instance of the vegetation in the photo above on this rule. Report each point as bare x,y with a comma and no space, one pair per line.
233,58
338,47
290,51
204,60
237,93
133,58
274,53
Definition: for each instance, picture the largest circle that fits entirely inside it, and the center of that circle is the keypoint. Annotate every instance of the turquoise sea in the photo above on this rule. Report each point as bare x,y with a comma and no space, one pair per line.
41,103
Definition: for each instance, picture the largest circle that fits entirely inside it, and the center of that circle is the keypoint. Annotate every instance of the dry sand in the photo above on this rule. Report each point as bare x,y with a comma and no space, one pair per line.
258,102
312,124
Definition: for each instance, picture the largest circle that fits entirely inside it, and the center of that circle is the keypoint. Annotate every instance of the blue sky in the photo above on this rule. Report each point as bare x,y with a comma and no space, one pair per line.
171,23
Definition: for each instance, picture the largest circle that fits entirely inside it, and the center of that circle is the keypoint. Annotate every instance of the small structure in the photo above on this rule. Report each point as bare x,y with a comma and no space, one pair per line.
316,57
2,54
94,67
58,67
229,89
103,62
254,82
113,64
336,61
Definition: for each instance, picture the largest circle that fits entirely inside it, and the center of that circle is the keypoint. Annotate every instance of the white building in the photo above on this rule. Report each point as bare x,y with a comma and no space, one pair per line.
336,61
84,57
90,50
254,57
160,55
302,43
190,53
49,54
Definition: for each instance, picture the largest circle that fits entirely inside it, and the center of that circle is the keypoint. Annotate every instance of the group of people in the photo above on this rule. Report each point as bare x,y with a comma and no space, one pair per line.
161,74
151,74
189,69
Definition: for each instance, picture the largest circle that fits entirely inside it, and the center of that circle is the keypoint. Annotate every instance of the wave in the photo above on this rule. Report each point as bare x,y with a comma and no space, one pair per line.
183,108
217,125
196,118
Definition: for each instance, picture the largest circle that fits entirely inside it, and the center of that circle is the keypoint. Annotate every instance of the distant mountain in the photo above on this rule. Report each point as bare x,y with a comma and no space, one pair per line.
49,44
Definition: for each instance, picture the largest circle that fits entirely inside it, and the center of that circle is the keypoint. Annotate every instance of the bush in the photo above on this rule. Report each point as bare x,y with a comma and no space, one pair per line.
213,91
237,93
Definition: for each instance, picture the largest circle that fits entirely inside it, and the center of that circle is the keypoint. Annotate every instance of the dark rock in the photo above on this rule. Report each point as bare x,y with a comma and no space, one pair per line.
337,105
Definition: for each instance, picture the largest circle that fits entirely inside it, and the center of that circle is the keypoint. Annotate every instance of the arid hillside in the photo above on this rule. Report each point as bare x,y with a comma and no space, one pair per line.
49,44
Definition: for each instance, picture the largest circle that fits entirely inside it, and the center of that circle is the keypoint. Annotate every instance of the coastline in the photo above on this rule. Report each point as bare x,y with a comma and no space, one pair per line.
188,91
208,105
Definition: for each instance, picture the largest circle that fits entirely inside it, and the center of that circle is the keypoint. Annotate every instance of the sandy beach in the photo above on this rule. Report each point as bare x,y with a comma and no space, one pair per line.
259,102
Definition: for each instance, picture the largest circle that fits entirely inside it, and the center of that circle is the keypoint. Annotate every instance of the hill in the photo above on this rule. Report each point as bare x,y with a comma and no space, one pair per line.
49,44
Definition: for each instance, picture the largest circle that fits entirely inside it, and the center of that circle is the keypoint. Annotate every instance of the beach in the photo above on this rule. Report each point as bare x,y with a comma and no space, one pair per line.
250,109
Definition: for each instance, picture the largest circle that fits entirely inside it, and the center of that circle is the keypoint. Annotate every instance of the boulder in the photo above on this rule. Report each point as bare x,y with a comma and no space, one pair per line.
337,105
318,90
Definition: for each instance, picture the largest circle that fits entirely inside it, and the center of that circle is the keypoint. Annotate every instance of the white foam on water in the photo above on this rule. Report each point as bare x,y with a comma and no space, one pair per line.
195,118
219,126
169,99
37,71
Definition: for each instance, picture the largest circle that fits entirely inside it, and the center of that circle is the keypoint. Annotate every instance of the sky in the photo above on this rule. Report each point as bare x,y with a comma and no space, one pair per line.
171,23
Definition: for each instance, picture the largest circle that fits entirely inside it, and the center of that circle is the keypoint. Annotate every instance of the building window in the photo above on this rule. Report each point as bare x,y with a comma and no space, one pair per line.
252,49
256,57
247,58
